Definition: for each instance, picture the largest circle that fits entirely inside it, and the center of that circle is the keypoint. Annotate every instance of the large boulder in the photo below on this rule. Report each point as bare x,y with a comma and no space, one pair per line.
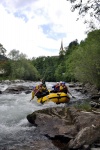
77,128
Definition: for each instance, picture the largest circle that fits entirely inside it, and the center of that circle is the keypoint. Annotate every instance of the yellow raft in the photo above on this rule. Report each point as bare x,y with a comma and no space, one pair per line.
57,98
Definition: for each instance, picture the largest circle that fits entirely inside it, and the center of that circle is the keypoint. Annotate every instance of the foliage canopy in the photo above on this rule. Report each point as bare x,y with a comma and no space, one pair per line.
79,62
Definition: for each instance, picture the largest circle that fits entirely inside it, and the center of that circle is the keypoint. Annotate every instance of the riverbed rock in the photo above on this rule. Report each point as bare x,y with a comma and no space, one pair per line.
95,96
18,89
0,92
77,128
95,104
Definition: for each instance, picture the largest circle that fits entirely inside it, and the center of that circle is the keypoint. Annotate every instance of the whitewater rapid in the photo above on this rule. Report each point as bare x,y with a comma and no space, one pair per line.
15,130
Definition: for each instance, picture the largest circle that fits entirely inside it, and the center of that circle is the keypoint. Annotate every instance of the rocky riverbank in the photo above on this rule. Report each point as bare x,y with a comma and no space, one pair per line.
64,128
68,128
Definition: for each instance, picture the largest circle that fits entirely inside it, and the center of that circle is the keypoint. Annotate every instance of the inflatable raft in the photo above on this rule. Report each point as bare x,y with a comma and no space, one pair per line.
55,97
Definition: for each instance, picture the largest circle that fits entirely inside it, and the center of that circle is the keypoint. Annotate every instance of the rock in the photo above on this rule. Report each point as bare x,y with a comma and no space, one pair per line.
95,148
28,91
86,136
78,128
95,96
52,121
91,89
17,89
79,89
95,104
86,147
72,85
6,81
0,92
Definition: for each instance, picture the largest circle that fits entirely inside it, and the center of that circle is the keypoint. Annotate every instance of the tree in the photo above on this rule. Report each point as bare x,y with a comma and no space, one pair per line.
84,62
72,45
2,50
87,8
60,72
15,55
46,66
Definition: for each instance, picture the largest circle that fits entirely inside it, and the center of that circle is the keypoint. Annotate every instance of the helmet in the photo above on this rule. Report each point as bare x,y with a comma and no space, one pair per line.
63,83
60,82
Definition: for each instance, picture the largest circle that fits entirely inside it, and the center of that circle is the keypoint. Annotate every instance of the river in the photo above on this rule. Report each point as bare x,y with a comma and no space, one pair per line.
16,133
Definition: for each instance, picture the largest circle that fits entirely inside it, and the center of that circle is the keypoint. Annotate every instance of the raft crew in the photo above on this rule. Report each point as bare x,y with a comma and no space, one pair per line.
55,88
43,82
64,88
39,91
42,91
60,87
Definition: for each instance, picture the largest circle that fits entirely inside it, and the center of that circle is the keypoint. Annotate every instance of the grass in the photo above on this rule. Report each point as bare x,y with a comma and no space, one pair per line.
83,106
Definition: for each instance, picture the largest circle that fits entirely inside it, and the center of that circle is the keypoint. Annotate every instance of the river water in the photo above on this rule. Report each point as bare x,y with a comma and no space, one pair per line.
16,133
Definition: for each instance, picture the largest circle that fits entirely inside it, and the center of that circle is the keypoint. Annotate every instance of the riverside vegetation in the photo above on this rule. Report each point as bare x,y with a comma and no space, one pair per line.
76,62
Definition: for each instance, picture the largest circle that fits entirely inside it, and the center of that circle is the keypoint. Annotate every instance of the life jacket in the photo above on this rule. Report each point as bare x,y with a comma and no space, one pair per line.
34,91
61,88
56,87
36,88
40,88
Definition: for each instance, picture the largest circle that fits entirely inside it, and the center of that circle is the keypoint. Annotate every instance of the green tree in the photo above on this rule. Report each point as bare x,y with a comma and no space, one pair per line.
46,67
21,68
60,72
84,63
88,8
2,50
15,55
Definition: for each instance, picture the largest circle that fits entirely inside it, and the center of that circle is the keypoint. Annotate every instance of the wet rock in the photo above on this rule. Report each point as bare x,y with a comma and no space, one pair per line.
72,85
12,81
95,104
28,91
6,81
0,92
95,96
17,89
79,89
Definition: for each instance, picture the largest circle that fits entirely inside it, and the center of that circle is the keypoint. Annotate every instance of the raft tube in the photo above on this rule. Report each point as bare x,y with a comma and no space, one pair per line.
57,98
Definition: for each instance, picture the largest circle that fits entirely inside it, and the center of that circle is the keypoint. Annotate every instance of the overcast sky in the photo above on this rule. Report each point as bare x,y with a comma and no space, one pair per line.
36,27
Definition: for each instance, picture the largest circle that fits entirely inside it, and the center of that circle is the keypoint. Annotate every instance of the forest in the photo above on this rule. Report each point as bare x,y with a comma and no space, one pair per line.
76,62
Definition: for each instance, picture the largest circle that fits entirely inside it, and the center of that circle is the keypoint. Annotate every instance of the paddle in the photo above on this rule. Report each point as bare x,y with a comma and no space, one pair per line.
71,95
34,94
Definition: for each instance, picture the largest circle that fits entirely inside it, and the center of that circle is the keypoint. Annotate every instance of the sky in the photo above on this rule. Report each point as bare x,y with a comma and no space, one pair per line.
36,27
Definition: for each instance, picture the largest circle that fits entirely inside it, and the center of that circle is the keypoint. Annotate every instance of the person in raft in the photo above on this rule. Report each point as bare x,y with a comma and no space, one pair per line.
43,83
55,88
39,91
64,88
42,91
